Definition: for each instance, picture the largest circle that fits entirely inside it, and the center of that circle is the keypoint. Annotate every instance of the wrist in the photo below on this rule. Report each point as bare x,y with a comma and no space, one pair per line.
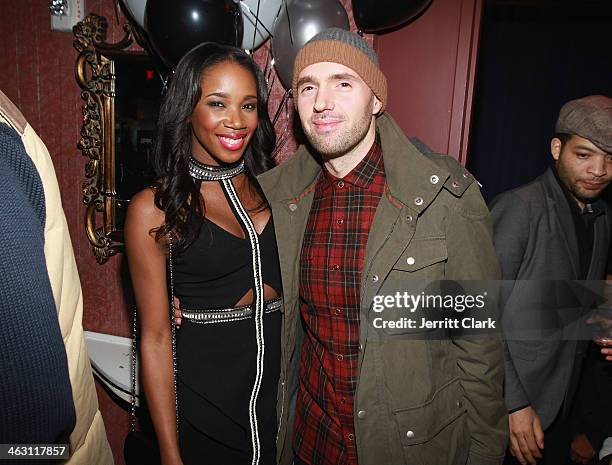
510,412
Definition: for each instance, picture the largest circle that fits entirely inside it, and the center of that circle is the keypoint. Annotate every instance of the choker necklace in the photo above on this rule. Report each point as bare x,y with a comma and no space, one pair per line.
204,172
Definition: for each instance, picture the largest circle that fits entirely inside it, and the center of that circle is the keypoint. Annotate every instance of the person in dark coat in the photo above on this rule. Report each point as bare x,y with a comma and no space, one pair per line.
552,231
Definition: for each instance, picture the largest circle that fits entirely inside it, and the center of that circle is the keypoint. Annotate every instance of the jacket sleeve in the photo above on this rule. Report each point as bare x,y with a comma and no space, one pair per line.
471,256
510,236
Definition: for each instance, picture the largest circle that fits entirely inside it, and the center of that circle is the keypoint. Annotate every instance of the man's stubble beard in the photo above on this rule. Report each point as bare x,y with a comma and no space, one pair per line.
582,196
342,142
565,175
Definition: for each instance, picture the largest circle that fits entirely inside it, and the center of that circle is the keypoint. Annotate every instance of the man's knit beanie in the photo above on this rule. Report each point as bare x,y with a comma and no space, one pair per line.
347,48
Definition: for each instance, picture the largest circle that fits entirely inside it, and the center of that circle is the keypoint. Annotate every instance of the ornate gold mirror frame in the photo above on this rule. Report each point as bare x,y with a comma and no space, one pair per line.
95,74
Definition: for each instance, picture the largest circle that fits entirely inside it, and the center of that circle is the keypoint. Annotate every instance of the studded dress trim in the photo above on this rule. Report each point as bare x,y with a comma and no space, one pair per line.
225,315
258,307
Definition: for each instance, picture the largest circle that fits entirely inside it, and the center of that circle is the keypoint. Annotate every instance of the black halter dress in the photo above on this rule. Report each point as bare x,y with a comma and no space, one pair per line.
228,358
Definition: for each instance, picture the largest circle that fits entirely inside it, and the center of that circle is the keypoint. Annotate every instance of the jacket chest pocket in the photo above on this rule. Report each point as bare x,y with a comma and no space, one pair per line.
415,275
423,258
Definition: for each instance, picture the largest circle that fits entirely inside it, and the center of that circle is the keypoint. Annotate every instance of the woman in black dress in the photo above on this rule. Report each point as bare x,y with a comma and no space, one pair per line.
207,218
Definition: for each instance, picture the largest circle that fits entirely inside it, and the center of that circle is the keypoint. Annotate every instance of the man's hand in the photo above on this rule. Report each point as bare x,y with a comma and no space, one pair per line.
603,321
607,348
582,451
526,435
178,315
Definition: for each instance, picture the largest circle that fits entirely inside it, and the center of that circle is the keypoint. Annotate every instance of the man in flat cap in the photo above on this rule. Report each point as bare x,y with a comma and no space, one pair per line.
552,230
373,215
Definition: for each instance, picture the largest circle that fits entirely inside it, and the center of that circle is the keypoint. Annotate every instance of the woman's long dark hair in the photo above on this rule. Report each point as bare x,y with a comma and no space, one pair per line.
176,193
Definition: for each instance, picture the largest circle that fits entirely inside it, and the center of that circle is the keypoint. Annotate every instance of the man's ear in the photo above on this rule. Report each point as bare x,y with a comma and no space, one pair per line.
555,147
377,106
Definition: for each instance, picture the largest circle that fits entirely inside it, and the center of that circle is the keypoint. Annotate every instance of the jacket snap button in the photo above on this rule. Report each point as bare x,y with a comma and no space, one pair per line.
410,260
409,218
418,201
434,179
410,434
361,414
459,404
361,347
374,278
455,184
293,207
351,436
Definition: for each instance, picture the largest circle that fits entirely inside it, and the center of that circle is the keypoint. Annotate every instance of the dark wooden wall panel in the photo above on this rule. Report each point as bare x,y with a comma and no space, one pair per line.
430,65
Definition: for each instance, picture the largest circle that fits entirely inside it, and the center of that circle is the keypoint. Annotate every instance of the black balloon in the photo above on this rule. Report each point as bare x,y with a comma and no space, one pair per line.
142,37
297,23
381,15
175,27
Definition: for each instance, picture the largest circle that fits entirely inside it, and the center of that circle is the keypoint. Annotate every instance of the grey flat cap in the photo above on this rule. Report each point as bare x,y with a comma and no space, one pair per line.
589,117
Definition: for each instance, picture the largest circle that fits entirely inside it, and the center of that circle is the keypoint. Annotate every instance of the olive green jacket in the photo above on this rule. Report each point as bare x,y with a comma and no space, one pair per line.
426,402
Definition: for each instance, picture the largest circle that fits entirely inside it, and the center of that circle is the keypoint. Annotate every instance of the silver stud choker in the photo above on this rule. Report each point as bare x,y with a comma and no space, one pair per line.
204,172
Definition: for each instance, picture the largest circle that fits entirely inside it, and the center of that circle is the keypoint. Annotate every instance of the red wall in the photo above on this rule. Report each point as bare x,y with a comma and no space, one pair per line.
430,65
430,96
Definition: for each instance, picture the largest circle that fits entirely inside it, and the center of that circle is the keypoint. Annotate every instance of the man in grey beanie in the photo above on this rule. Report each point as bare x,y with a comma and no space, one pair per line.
377,214
554,229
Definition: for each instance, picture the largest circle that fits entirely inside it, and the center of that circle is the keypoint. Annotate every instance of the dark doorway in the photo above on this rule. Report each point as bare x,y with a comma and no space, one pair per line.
534,56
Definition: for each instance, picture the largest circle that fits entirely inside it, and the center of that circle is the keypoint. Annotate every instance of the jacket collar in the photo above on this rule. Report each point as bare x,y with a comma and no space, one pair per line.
559,206
412,178
11,114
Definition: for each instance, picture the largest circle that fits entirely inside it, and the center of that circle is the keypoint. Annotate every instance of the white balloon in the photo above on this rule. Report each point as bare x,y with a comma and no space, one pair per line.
268,11
137,10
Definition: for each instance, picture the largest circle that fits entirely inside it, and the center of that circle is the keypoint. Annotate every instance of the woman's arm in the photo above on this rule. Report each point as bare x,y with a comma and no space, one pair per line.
147,262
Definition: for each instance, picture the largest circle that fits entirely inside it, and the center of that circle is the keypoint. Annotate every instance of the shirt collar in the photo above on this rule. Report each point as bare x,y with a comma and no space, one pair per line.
366,170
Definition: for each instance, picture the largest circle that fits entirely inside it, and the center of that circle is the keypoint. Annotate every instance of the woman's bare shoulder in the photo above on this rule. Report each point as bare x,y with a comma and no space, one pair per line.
142,209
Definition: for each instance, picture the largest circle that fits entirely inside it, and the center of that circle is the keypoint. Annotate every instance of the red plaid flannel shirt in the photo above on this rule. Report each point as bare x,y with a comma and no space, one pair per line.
330,278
